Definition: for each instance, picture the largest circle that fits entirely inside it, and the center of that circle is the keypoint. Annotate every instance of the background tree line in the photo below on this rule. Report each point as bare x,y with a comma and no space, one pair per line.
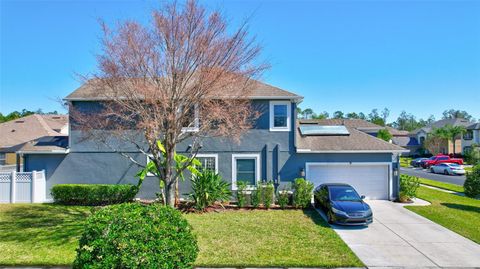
20,114
405,121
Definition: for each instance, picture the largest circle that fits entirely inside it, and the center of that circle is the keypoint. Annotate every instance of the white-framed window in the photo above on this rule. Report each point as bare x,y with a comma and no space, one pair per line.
246,167
280,112
192,123
3,158
209,161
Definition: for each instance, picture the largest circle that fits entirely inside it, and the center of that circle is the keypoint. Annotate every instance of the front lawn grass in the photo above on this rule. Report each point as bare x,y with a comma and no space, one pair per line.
274,238
442,185
457,213
40,234
45,234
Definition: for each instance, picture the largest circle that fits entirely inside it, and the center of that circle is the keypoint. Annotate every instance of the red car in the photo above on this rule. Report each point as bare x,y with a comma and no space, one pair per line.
440,159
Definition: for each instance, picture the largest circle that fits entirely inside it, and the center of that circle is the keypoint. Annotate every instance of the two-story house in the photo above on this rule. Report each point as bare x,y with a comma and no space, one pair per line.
461,142
278,148
471,138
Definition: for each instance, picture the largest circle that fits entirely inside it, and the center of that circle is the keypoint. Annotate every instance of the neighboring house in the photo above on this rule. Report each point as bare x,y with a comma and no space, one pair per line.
278,148
422,133
15,133
471,138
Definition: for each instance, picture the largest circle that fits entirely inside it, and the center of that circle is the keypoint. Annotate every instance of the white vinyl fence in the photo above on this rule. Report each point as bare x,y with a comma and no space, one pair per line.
22,187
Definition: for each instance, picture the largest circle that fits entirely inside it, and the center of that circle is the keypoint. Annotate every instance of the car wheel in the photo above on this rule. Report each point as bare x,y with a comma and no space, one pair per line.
432,171
446,172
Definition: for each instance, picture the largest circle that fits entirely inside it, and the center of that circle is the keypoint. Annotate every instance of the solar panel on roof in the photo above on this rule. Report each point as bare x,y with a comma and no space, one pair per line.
323,130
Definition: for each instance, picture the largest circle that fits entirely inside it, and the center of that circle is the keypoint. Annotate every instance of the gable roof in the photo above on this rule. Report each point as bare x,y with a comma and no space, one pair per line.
356,141
260,90
475,126
46,144
442,123
17,132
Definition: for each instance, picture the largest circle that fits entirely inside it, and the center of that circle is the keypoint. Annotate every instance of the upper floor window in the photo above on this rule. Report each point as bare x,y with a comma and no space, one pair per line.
191,121
468,135
2,158
280,115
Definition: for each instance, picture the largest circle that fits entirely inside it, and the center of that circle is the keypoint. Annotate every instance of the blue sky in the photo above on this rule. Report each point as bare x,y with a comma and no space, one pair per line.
418,56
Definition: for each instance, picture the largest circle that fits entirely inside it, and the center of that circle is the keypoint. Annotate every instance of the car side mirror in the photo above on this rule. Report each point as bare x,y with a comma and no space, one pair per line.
362,197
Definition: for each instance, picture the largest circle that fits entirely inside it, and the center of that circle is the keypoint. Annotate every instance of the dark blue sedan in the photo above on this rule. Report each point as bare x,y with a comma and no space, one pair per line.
342,204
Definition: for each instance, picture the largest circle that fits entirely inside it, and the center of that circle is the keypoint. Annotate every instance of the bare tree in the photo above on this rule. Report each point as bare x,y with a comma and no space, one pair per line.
182,77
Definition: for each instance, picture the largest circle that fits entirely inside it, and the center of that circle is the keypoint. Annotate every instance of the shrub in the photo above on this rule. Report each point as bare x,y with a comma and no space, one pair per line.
241,195
302,194
93,194
208,188
136,236
408,187
283,198
473,156
256,197
268,194
472,183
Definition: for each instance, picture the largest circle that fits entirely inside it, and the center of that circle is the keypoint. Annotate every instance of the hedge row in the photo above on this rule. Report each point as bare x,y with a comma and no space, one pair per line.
93,194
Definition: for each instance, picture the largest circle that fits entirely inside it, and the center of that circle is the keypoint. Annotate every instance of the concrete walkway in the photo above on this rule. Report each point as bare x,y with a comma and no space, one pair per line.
400,238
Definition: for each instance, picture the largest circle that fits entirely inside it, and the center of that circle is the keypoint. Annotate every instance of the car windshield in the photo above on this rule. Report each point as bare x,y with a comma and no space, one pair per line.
453,164
343,193
432,158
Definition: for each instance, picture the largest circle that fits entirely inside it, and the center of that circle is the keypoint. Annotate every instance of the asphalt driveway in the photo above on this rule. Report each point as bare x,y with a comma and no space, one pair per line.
400,238
419,172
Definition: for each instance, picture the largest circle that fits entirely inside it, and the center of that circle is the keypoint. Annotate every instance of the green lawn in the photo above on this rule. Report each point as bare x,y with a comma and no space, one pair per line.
48,234
441,185
39,234
457,213
272,238
405,161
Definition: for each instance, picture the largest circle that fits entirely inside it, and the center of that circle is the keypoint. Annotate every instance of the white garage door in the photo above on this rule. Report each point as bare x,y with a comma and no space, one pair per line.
371,180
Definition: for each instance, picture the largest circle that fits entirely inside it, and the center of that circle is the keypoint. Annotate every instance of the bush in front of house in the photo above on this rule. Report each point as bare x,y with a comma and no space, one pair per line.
93,194
241,193
207,188
472,183
268,194
408,187
302,193
136,236
284,198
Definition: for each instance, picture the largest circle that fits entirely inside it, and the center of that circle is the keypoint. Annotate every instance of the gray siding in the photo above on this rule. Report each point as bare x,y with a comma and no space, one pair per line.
91,162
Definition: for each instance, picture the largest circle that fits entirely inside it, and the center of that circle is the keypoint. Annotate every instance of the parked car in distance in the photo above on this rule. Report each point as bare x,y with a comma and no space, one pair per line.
417,162
440,159
342,204
448,169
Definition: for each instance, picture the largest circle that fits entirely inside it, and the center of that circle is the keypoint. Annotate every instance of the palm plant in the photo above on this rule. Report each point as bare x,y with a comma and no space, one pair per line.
208,188
450,133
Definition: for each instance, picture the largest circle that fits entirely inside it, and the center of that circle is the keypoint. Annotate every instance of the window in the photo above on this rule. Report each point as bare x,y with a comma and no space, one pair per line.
245,167
280,115
2,158
191,123
209,162
468,135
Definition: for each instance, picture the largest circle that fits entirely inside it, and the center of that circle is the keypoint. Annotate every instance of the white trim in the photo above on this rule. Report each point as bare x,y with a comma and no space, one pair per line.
44,152
389,164
257,168
352,151
271,116
148,159
201,155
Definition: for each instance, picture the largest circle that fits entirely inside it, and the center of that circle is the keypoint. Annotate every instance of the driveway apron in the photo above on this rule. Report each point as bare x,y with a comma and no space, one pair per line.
400,238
